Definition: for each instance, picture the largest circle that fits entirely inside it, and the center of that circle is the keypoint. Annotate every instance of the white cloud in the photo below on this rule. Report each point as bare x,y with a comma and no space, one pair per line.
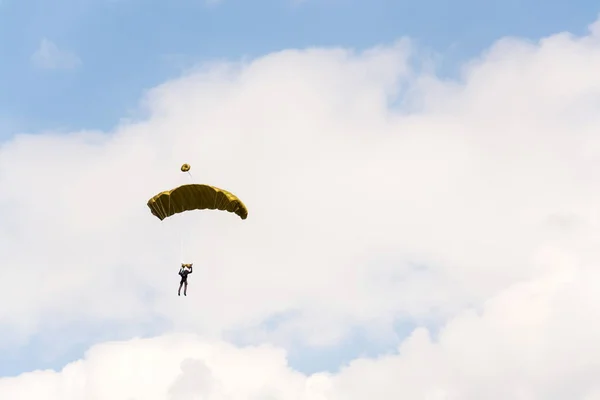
489,186
49,56
532,341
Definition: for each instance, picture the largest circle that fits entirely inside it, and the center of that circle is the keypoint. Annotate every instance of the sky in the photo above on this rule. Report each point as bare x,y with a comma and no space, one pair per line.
421,184
83,64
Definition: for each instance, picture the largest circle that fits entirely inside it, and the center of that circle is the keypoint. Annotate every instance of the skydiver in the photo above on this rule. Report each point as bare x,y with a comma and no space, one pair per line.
184,271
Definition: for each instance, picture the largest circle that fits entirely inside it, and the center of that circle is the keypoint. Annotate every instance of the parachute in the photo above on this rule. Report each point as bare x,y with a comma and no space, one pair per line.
192,197
195,197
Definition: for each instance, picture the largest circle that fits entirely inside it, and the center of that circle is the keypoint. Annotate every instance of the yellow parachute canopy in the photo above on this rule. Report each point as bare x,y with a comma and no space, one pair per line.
195,197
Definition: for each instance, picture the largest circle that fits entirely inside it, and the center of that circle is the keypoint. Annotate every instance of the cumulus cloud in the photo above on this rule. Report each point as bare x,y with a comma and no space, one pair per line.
376,193
49,56
526,343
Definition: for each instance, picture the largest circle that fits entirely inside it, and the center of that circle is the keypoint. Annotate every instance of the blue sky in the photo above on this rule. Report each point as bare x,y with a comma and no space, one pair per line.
128,46
120,48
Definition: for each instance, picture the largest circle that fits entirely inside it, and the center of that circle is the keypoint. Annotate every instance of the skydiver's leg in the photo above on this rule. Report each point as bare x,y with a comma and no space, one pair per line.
180,285
185,289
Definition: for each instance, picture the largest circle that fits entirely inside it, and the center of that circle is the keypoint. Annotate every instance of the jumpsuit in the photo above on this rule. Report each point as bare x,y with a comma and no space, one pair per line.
184,272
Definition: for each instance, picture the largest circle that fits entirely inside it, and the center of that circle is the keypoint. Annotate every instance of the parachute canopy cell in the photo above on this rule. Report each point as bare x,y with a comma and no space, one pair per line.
195,197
